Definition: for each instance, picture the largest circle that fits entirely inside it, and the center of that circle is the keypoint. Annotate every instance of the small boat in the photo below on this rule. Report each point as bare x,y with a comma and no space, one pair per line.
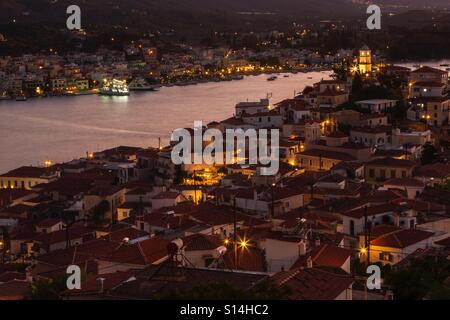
310,78
140,84
21,98
5,97
286,76
272,78
445,65
114,88
237,77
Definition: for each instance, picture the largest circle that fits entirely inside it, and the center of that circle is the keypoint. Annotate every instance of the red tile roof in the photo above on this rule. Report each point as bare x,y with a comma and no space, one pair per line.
26,172
11,275
313,283
371,211
407,182
392,162
199,242
14,290
428,84
325,255
401,239
47,223
328,154
92,285
426,69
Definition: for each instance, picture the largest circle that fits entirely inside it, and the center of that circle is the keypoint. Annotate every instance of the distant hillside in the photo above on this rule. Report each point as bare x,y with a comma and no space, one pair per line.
156,12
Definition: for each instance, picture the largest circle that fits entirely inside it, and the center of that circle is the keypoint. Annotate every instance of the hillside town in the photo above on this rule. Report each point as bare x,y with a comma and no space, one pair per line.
144,66
364,180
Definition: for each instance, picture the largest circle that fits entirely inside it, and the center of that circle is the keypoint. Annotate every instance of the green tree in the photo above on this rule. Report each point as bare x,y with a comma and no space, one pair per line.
48,290
99,211
357,85
425,278
429,154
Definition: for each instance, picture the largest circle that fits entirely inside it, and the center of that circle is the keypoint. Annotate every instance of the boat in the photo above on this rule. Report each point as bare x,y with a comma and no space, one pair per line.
140,84
272,78
21,98
447,69
114,88
237,77
5,96
286,76
445,65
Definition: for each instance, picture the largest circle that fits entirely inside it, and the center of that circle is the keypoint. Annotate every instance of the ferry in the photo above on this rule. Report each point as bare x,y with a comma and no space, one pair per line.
114,88
140,84
272,78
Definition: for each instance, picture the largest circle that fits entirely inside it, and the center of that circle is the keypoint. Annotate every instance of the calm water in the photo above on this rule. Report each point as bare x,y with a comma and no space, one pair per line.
63,128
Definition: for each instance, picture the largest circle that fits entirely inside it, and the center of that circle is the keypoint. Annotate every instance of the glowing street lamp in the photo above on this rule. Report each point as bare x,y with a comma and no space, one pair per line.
243,244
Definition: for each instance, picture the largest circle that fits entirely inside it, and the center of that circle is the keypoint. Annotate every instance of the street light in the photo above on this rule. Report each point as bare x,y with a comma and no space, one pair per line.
243,244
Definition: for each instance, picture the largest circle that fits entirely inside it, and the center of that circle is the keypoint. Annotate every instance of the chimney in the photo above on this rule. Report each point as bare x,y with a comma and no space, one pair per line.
302,248
317,242
309,262
101,282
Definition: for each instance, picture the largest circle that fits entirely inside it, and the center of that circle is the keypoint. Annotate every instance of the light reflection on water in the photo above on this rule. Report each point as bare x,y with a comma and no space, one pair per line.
63,128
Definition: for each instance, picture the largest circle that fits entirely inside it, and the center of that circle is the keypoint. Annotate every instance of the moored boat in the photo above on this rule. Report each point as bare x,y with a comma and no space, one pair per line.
140,84
114,88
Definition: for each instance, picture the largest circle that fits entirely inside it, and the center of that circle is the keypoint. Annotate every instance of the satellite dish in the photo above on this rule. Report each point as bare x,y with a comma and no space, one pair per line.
174,246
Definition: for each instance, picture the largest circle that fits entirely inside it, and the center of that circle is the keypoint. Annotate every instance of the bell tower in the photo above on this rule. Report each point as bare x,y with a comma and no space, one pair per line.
365,60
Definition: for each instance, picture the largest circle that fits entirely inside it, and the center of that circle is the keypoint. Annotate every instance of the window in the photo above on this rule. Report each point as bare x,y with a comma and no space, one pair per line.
403,174
393,175
352,227
386,256
372,173
383,174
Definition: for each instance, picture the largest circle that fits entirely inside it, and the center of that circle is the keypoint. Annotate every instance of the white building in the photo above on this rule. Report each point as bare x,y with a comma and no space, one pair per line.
377,105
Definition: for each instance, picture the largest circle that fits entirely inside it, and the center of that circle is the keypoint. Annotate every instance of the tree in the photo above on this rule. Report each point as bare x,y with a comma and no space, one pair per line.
424,278
357,84
429,154
99,211
48,290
